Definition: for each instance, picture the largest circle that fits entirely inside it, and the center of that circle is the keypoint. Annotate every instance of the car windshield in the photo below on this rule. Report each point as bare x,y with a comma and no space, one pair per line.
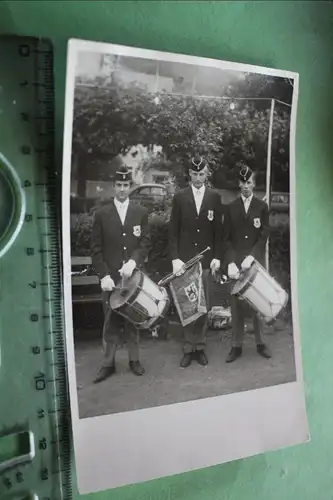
157,190
142,191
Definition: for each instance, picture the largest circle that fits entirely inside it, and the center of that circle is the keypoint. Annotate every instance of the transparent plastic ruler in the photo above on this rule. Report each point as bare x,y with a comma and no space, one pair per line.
34,410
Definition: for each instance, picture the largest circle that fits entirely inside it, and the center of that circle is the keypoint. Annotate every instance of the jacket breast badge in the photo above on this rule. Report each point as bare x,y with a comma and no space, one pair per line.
256,222
137,231
210,215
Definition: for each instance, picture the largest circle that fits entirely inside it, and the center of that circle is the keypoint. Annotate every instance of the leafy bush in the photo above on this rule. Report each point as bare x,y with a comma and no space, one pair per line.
81,227
159,264
81,204
279,258
279,254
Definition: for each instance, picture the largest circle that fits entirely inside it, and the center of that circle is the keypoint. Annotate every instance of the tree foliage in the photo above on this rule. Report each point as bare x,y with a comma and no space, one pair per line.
109,121
257,85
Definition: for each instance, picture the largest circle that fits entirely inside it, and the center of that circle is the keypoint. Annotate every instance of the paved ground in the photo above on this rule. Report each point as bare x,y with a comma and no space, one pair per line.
165,382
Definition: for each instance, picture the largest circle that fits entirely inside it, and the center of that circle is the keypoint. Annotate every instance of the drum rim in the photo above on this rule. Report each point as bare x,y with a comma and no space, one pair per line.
133,296
248,283
283,306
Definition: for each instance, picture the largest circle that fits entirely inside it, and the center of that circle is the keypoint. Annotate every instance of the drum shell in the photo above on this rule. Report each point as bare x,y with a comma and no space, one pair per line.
264,294
147,305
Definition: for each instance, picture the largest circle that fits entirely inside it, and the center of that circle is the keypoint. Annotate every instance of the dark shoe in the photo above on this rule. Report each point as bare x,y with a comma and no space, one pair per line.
235,353
186,360
104,373
136,367
263,351
201,357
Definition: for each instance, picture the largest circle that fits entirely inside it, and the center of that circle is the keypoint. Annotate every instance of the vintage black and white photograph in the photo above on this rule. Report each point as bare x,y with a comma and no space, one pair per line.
179,234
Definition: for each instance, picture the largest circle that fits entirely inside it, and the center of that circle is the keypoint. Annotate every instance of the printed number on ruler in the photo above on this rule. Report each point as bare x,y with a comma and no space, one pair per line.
44,472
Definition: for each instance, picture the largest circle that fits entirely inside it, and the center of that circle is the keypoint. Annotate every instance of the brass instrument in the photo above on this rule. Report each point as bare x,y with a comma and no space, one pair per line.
164,281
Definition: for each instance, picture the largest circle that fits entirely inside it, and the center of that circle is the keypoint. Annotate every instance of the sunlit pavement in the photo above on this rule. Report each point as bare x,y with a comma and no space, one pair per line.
165,382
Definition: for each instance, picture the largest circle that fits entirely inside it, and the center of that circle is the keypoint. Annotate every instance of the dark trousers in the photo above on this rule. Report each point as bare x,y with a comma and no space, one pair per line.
194,334
239,309
117,329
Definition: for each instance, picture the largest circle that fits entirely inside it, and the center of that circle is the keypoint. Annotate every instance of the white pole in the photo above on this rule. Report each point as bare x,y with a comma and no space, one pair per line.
157,76
268,171
193,84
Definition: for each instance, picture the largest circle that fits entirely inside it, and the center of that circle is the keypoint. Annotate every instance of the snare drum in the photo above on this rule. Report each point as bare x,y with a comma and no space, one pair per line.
140,301
261,291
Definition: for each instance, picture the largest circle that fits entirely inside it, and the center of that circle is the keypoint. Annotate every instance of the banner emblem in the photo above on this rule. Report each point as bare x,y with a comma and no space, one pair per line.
191,292
188,294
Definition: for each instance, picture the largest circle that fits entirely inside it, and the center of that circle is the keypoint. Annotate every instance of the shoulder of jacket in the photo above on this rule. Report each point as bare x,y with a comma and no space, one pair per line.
181,192
144,211
233,203
102,210
139,209
214,192
261,203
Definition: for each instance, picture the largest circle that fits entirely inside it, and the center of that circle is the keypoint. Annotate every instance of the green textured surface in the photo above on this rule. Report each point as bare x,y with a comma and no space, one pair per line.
296,36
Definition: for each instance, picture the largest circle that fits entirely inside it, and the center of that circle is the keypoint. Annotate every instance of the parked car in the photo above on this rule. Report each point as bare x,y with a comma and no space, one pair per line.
150,195
280,201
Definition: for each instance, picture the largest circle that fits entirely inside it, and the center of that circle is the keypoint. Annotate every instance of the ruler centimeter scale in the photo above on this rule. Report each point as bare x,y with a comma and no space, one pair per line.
33,381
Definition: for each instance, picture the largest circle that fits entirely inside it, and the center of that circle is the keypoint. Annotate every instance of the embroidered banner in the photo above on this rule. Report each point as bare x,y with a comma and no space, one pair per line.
188,294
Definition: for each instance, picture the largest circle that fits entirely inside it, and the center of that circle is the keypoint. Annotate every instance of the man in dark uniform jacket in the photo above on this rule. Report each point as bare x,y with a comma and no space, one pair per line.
195,223
119,244
246,228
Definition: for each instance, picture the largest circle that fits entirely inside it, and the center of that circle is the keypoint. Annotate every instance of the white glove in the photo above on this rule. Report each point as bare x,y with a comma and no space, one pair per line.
215,265
127,270
233,271
177,267
247,262
107,284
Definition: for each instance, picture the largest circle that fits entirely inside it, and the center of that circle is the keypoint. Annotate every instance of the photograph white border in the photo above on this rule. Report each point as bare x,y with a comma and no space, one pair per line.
137,446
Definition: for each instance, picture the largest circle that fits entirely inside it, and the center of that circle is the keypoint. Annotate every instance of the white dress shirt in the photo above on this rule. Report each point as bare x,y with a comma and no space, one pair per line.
247,202
198,197
121,209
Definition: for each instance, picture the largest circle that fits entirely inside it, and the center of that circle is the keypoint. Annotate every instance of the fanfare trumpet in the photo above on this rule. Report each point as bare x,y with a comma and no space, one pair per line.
164,281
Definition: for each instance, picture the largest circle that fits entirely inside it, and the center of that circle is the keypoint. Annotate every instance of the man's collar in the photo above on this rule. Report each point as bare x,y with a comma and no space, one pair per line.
248,200
200,190
121,203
